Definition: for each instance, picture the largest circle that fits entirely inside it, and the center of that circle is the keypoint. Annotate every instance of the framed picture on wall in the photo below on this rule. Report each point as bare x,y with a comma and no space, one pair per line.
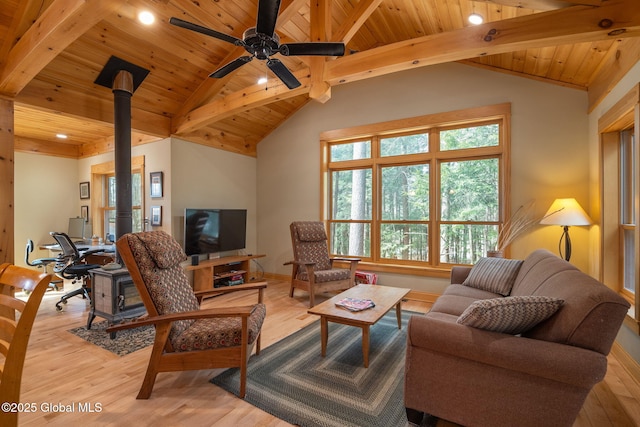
156,184
84,190
156,215
84,212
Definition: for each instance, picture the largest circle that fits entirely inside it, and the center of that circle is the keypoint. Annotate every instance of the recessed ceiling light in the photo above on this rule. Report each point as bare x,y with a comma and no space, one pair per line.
61,136
262,80
476,19
146,17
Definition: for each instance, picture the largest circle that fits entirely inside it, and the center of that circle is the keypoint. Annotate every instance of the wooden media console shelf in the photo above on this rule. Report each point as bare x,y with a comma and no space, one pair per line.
210,271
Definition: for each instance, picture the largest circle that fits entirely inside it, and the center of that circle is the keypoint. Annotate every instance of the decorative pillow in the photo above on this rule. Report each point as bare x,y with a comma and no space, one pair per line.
510,315
495,275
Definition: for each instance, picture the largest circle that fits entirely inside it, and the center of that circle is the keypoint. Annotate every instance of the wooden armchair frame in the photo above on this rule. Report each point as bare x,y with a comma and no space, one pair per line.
311,285
164,358
14,335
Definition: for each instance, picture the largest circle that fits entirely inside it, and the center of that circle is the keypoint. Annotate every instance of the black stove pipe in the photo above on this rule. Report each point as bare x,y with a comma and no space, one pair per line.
122,92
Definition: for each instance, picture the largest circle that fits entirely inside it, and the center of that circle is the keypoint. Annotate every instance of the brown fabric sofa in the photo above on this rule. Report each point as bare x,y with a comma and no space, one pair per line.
541,377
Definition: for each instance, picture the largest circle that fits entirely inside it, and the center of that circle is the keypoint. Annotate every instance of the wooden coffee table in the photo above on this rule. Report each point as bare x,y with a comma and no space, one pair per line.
384,297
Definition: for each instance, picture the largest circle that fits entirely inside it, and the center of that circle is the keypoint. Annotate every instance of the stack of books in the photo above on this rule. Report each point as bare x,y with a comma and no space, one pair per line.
355,304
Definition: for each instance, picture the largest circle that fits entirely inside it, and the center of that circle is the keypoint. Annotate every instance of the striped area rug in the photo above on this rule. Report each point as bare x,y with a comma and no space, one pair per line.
290,379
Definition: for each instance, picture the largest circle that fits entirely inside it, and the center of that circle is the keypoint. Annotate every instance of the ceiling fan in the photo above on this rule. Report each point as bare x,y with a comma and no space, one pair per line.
262,42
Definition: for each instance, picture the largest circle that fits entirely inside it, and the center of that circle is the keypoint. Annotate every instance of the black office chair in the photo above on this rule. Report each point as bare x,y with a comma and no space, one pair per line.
40,263
70,264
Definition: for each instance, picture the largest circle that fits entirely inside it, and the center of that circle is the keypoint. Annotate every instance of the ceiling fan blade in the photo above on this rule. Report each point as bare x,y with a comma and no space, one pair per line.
204,30
267,16
231,66
283,73
317,48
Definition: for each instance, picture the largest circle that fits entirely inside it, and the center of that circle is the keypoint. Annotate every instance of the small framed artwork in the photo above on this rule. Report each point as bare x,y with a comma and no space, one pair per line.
156,184
84,190
84,212
156,215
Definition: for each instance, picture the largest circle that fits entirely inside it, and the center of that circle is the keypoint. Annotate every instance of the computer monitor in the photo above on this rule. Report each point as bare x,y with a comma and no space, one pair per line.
76,228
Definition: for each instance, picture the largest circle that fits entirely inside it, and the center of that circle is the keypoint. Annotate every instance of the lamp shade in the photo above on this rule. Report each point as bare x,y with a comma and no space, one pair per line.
566,212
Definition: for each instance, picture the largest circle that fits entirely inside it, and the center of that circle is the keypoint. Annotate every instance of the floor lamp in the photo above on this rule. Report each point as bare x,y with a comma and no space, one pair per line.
565,212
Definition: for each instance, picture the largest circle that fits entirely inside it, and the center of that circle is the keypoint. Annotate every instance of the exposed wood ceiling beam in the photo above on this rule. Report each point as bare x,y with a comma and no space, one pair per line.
251,97
61,24
25,15
320,19
626,55
355,20
570,25
209,87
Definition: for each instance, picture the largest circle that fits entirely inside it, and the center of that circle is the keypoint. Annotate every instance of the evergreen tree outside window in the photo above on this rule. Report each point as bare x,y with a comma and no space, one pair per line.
428,195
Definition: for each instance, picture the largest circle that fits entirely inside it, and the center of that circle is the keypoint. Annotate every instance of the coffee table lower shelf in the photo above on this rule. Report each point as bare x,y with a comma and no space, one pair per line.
384,298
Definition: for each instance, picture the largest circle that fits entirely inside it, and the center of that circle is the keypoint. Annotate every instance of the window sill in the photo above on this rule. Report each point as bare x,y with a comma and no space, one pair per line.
442,272
631,322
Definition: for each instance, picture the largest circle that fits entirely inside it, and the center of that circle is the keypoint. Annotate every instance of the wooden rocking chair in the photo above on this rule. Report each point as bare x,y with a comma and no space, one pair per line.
187,338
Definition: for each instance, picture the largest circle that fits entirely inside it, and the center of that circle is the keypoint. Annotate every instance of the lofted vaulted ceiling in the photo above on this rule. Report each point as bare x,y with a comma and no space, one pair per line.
51,52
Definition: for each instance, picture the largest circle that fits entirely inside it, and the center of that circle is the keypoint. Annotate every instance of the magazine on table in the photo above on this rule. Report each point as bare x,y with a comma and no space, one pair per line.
355,304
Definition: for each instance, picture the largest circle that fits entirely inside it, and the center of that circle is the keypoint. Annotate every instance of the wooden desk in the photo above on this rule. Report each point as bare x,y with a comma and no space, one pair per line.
207,272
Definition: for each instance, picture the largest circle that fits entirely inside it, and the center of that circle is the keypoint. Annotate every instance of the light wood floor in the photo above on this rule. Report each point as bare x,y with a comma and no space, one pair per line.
62,369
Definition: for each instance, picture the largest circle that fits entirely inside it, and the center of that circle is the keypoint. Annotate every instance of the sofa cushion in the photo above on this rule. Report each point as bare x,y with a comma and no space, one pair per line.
494,275
510,315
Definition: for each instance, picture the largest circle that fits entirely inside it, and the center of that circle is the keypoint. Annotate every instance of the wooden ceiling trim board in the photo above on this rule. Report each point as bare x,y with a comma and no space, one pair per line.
62,23
518,74
251,97
355,20
106,145
570,25
223,142
49,148
626,55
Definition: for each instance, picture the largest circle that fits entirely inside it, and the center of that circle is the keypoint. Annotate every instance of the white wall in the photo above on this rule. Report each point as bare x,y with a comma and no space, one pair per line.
203,177
549,150
46,195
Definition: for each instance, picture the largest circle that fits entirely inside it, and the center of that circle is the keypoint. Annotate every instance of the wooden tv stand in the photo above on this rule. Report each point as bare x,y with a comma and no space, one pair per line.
209,271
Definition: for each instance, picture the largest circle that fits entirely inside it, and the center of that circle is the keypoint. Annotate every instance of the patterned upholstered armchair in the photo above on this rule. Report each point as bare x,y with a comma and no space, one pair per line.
187,338
313,269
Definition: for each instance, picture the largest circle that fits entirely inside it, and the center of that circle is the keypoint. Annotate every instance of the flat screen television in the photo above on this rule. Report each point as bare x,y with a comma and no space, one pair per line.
214,230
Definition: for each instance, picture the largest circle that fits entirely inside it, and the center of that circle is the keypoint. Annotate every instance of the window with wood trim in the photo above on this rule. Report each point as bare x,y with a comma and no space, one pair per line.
620,197
628,172
424,192
103,200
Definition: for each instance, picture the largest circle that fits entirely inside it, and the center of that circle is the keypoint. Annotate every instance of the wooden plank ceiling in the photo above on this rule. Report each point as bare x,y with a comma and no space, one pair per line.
51,52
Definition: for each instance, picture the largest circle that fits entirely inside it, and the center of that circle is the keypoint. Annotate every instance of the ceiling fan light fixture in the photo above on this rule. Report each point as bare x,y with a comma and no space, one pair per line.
476,19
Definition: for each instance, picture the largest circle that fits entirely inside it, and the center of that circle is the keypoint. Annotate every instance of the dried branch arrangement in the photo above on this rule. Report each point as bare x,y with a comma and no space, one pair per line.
521,221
